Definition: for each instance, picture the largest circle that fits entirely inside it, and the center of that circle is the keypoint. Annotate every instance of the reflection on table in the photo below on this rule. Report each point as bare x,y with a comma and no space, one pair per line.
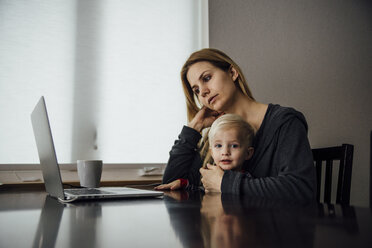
184,219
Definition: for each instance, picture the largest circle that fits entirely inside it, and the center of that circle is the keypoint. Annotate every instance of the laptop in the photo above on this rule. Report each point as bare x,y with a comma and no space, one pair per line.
51,172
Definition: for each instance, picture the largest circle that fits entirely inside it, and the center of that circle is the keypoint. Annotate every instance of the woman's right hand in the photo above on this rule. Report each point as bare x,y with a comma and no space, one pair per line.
204,118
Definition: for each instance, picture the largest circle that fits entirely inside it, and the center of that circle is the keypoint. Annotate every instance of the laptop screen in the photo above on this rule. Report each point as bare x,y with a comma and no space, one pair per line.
45,147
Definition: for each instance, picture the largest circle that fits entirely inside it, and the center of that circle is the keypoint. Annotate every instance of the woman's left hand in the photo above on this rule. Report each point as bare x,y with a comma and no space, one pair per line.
212,178
175,185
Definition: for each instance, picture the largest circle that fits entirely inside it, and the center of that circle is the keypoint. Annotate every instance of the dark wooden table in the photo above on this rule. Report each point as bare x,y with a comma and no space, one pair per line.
28,218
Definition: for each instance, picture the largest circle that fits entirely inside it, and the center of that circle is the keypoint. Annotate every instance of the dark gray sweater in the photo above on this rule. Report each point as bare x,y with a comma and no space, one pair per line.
281,167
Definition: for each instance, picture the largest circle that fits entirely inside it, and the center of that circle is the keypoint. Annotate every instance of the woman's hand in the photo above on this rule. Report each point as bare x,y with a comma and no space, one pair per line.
204,118
176,184
212,178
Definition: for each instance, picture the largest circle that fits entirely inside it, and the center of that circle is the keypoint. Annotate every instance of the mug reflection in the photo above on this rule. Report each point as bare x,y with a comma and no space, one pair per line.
84,219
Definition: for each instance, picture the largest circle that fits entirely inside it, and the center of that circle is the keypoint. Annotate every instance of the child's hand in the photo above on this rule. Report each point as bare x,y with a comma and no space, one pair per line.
212,178
175,185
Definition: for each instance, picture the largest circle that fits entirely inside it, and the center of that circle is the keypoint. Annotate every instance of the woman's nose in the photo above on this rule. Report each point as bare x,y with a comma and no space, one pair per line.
204,91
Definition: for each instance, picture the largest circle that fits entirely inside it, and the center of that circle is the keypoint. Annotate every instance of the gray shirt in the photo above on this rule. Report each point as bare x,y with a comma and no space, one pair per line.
281,167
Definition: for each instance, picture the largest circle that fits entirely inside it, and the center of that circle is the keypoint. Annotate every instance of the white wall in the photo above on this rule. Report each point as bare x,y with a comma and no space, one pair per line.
315,56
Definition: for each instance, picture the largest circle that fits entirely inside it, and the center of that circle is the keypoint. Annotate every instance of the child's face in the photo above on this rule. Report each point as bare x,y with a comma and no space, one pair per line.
227,151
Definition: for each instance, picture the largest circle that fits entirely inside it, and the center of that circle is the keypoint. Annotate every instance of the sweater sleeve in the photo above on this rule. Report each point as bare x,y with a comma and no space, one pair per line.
184,160
294,173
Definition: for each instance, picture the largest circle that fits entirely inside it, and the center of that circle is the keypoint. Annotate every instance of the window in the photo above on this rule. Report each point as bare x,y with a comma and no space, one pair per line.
109,71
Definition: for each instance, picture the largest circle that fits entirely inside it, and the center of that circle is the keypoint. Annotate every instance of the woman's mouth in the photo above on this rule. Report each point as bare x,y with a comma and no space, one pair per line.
212,99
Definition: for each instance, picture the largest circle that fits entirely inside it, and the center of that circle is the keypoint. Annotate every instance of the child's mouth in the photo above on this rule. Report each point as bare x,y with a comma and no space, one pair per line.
226,161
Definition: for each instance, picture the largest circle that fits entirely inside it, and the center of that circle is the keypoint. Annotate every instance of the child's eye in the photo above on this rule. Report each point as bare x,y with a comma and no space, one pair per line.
235,146
217,145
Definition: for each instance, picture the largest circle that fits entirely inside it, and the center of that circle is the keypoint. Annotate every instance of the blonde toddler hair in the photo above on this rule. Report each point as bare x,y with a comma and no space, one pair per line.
230,121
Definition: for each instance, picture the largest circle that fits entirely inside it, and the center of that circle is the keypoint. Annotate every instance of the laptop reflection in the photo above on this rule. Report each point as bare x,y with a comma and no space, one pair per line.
49,223
83,219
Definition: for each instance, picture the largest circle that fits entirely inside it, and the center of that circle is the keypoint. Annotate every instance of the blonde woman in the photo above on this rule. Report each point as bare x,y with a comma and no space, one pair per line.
282,164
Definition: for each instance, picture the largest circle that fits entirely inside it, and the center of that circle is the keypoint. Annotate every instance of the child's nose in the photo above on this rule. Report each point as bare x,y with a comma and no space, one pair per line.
226,151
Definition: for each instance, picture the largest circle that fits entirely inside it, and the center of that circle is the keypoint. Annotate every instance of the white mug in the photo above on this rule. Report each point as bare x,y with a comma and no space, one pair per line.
89,172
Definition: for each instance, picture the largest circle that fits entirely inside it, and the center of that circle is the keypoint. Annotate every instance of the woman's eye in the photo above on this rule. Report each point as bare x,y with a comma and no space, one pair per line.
207,78
196,91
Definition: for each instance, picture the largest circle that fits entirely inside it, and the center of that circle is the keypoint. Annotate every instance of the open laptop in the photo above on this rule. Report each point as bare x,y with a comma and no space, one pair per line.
52,174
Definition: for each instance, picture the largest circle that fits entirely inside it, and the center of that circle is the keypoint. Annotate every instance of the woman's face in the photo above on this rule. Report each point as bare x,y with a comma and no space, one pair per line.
214,87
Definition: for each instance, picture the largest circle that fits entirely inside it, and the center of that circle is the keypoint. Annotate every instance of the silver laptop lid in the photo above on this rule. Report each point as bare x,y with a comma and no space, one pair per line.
47,153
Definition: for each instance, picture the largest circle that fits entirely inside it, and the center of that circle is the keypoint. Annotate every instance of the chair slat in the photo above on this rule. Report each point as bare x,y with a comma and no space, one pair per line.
328,181
318,166
341,181
370,172
346,162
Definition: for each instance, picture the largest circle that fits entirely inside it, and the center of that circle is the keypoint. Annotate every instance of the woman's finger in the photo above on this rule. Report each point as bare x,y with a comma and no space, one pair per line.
163,186
175,184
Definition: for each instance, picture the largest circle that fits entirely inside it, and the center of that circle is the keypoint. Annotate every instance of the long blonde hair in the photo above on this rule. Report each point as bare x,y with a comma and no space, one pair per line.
217,59
226,122
220,60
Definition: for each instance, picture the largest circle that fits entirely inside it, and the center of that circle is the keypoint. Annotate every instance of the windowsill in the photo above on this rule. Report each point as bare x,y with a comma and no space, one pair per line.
112,175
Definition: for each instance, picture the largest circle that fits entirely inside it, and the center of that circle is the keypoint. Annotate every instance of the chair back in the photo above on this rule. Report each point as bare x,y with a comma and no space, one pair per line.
344,154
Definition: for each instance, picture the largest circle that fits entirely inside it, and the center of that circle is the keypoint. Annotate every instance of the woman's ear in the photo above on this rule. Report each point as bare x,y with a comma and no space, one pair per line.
234,73
250,151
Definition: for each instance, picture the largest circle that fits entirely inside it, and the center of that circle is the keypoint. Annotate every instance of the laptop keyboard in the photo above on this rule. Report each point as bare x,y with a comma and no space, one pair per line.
88,191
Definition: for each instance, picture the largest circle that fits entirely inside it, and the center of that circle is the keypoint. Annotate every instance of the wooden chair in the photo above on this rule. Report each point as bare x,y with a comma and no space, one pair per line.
344,154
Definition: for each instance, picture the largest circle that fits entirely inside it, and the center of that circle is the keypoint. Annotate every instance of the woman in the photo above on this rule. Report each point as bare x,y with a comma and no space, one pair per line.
282,164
